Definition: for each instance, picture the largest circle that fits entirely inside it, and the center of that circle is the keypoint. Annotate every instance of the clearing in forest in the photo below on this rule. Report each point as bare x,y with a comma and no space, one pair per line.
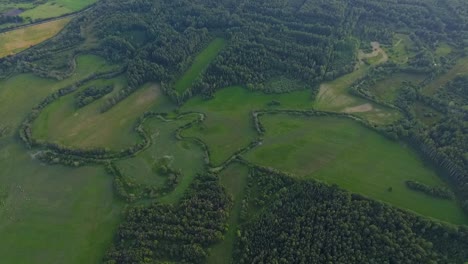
18,40
87,127
234,179
460,68
338,150
335,96
387,89
199,65
401,49
183,155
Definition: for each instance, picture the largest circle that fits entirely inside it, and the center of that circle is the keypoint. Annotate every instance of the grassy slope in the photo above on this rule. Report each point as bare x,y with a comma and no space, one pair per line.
87,128
341,151
400,51
56,8
199,64
228,125
334,96
185,155
234,180
50,214
18,40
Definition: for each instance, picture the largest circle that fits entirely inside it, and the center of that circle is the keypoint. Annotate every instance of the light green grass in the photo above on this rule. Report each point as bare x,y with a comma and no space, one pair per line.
234,180
12,42
400,52
335,96
228,126
87,127
341,151
185,155
443,49
56,8
50,214
53,214
20,93
199,64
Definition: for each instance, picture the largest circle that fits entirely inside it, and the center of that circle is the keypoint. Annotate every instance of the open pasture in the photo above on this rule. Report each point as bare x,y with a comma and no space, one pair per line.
18,40
56,214
87,127
343,152
228,126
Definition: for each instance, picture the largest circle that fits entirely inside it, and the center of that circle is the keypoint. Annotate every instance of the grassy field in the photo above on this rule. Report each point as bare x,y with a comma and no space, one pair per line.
199,64
387,89
87,127
228,126
55,8
341,151
184,155
461,67
50,214
400,52
334,96
234,180
18,40
443,49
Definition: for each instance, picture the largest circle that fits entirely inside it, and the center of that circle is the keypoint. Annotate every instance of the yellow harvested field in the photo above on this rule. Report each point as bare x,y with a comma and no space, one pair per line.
18,40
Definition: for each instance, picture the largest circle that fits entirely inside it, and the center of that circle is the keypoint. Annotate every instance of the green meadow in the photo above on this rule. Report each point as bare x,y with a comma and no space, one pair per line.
18,40
343,152
184,155
199,65
86,127
50,214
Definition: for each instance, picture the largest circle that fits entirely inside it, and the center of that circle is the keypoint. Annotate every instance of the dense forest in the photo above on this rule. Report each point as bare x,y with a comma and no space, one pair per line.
282,219
307,222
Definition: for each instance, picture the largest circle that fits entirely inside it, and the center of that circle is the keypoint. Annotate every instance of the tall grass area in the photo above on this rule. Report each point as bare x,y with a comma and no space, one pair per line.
387,89
56,8
200,64
18,40
343,152
50,214
228,126
335,96
184,155
87,127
